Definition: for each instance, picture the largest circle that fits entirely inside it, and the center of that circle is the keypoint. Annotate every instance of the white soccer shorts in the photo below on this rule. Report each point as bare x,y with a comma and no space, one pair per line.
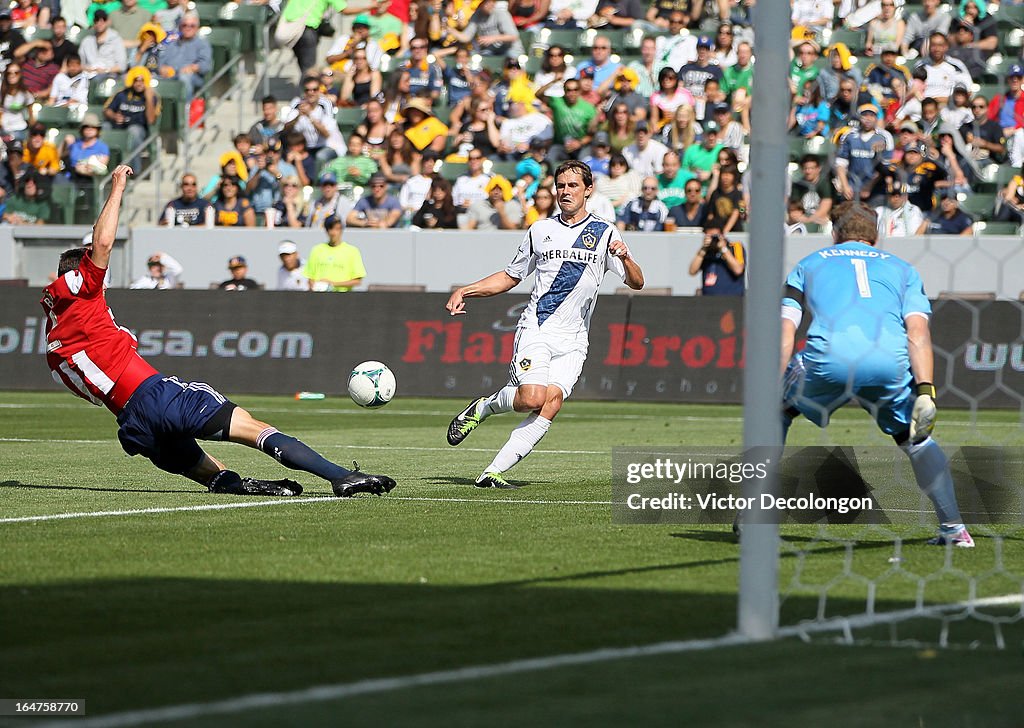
543,359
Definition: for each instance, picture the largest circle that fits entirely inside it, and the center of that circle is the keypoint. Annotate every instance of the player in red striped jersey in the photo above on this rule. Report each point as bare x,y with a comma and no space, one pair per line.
161,417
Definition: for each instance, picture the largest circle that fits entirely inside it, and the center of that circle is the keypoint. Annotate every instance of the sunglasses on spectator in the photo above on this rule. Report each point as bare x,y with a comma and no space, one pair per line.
979,106
418,46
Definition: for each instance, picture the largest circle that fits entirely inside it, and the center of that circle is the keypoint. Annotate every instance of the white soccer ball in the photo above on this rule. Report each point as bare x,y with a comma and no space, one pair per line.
371,384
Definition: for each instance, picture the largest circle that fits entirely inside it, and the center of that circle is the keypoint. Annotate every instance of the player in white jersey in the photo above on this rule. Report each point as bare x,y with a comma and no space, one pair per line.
571,253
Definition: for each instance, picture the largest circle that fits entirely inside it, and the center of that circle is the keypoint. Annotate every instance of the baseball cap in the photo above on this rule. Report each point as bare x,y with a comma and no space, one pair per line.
710,126
362,19
1015,70
331,221
642,126
720,108
100,14
919,147
5,12
377,178
601,139
910,126
587,72
237,262
867,109
37,128
328,178
273,144
538,143
705,42
155,260
286,247
947,193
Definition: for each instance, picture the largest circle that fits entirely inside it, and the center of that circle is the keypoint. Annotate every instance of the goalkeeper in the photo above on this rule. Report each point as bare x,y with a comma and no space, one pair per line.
869,342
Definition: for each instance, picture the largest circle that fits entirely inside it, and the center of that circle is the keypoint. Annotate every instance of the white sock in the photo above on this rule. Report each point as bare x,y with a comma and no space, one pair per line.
931,469
520,443
497,403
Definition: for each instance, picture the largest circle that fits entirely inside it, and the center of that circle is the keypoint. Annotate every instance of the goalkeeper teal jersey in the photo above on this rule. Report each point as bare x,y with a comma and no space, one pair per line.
859,298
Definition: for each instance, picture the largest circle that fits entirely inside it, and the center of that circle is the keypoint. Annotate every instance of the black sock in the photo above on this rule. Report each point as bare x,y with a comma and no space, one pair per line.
297,455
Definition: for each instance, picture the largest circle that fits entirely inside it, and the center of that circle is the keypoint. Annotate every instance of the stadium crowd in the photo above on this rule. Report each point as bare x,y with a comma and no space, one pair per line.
452,113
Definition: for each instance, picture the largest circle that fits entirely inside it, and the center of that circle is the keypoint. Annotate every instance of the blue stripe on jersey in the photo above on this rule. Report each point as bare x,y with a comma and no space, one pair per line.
570,272
568,276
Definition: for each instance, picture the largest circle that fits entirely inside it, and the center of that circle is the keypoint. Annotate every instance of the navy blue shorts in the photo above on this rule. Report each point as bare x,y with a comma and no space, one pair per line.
164,417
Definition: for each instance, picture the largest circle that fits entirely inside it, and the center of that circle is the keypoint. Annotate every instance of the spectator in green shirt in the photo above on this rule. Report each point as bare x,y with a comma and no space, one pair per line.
802,69
334,265
28,207
574,120
672,180
699,159
738,79
354,167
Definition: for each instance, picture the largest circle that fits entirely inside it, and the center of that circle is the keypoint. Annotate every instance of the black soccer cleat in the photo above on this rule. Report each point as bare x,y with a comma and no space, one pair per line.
356,482
494,480
464,423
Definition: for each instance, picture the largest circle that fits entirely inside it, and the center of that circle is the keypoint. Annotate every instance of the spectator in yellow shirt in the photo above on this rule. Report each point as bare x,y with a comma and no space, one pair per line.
41,154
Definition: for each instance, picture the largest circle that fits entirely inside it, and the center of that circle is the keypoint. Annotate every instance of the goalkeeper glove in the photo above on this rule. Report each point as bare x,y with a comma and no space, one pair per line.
922,420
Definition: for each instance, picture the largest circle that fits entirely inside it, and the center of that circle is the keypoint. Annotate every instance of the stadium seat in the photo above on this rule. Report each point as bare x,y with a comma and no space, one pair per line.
397,287
1000,228
348,118
977,206
568,39
1010,16
615,35
63,198
51,116
1004,175
1011,41
209,13
173,100
100,91
226,43
451,170
494,64
854,39
250,20
505,169
443,113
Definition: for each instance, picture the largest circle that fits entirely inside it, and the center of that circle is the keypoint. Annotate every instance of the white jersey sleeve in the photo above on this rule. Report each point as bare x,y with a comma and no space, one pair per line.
612,262
524,262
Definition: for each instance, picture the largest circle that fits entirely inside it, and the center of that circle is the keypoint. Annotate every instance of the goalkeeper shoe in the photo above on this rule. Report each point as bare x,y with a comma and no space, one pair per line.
225,483
356,482
494,480
958,537
464,423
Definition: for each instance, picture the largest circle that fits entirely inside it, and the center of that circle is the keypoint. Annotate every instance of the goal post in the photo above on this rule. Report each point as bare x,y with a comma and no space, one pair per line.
758,604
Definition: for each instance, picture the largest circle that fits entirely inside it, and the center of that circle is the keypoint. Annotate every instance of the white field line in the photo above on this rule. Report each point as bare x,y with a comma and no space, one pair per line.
339,691
285,502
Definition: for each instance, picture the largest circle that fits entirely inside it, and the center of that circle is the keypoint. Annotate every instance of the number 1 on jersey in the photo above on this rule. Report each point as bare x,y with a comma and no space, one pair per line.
863,284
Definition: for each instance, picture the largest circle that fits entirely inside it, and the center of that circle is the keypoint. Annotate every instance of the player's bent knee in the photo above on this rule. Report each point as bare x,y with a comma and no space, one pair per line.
530,398
245,428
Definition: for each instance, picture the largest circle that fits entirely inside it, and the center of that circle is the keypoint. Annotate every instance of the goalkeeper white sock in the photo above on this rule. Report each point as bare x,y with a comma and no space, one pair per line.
498,403
931,469
520,443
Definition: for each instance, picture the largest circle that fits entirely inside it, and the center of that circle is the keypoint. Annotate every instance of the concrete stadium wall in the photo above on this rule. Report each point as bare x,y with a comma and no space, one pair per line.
440,259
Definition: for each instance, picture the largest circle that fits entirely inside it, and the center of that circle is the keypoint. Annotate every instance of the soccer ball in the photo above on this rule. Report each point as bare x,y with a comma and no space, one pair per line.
371,384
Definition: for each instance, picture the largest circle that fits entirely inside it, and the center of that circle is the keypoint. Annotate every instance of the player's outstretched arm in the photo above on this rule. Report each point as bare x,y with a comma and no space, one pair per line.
922,366
634,274
105,230
492,285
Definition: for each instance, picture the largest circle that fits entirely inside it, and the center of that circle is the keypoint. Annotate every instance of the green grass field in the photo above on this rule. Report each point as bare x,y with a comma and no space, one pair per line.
134,611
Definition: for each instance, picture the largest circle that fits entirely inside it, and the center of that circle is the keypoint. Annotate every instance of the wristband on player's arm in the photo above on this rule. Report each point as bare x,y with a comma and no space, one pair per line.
925,389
